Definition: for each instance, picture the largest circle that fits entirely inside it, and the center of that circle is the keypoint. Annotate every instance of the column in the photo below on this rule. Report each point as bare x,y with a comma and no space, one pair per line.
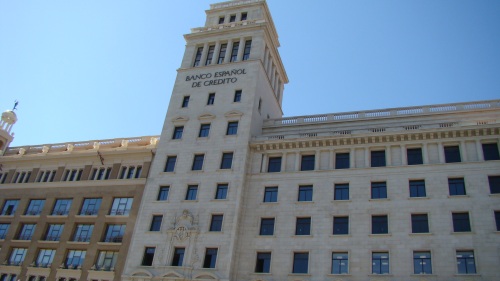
227,57
388,156
463,151
404,161
330,160
204,54
317,156
441,152
367,157
283,162
425,154
241,49
216,53
297,161
352,158
264,163
272,76
264,59
479,151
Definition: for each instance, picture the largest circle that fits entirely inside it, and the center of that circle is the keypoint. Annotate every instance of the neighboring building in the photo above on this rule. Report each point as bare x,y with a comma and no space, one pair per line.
236,192
68,209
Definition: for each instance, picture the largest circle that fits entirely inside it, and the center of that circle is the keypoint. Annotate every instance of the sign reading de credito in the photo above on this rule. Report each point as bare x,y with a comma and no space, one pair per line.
215,78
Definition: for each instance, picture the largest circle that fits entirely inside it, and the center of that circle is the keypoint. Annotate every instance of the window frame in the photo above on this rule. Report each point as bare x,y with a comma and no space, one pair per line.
416,187
216,222
191,189
414,156
419,224
341,269
340,227
204,130
452,154
341,161
237,96
494,184
213,258
232,128
303,226
221,189
263,264
456,187
226,162
170,164
178,257
341,191
381,259
296,261
274,164
378,158
177,133
163,193
461,222
185,100
462,252
305,193
421,261
380,227
378,190
272,191
211,99
156,222
307,162
148,257
490,151
198,160
266,228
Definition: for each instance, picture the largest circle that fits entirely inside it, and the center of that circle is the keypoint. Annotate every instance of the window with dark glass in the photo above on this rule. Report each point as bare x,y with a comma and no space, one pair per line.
414,156
17,257
465,262
461,222
452,154
490,151
341,191
422,263
340,225
121,206
204,130
197,58
232,128
101,173
221,20
456,186
300,263
90,206
210,55
45,258
61,207
185,101
246,52
106,260
114,233
274,165
222,53
156,223
74,259
497,221
72,175
216,223
211,99
380,224
419,223
221,192
340,263
83,232
210,258
378,158
380,263
303,226
54,232
149,254
191,192
243,16
266,226
227,160
494,182
342,161
130,172
232,18
4,228
271,194
178,258
35,207
198,162
259,107
9,207
305,193
237,96
234,52
178,132
27,231
417,188
163,193
307,163
379,190
170,165
263,263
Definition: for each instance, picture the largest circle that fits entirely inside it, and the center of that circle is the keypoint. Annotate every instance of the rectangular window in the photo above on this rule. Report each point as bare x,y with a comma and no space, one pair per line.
271,194
340,263
300,263
452,154
114,233
232,128
90,206
419,223
494,182
497,221
414,156
149,254
380,224
74,259
216,223
237,96
54,232
100,173
307,162
417,188
246,52
456,186
45,257
266,226
185,101
379,190
178,257
466,263
422,263
83,232
490,151
45,176
340,225
130,172
198,162
35,207
72,175
211,99
342,161
163,193
232,18
243,16
17,256
263,263
61,207
378,158
4,228
227,160
121,206
197,58
156,223
204,130
461,222
210,54
178,133
234,52
21,177
191,192
380,263
170,165
221,20
303,226
9,207
305,193
341,191
274,165
27,231
210,258
222,52
106,260
221,192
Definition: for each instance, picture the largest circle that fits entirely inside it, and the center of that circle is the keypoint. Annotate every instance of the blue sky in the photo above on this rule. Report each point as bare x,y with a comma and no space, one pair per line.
85,70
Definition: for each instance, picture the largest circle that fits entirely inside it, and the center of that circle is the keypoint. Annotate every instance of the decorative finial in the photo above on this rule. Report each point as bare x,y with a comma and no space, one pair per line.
15,105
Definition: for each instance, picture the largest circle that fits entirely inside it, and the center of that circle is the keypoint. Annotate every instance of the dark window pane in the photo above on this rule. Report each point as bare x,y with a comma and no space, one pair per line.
380,225
461,222
198,162
246,52
232,128
271,194
234,52
305,193
227,160
237,96
340,263
456,186
191,192
342,161
210,55
300,262
156,223
197,60
494,182
211,98
379,190
497,220
419,223
149,254
243,16
307,163
490,151
222,52
267,226
466,263
185,101
178,132
417,188
263,263
204,130
274,165
378,158
216,223
414,156
452,154
340,225
178,257
170,165
221,192
341,191
163,193
210,258
303,226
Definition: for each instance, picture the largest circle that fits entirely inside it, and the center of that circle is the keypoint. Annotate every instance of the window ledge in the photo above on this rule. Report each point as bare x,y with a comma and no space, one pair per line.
261,273
338,201
48,241
30,216
218,200
340,235
494,194
17,240
110,243
380,275
496,231
300,236
7,216
224,170
304,202
57,216
214,232
379,199
161,201
186,201
464,275
86,216
116,216
462,232
78,242
418,198
299,274
269,203
338,274
380,235
266,236
423,274
167,173
458,196
421,234
196,171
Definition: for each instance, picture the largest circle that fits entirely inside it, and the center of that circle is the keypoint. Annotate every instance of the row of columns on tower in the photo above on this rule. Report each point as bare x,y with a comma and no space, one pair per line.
229,48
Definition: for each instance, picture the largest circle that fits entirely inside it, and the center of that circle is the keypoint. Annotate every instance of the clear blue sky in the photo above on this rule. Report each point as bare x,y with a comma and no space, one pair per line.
85,70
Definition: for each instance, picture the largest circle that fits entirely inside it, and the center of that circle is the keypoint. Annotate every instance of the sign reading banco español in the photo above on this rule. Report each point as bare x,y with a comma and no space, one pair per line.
215,78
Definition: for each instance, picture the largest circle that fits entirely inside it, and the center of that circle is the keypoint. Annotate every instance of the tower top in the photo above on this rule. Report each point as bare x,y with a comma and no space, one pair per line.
9,118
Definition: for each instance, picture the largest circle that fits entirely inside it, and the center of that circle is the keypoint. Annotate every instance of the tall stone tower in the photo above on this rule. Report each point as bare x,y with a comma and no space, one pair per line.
8,120
230,80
